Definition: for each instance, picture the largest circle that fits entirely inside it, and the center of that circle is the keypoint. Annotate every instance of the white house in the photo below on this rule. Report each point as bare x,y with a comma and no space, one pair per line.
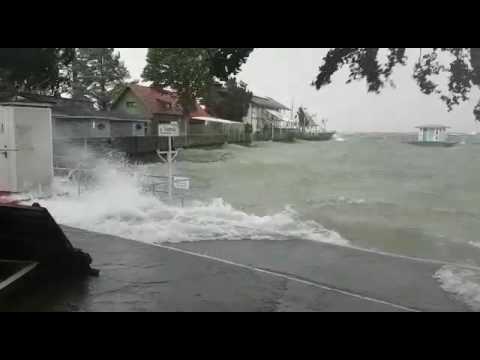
264,113
432,133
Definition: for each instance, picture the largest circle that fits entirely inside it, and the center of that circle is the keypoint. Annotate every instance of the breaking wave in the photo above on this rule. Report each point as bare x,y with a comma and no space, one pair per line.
461,282
117,205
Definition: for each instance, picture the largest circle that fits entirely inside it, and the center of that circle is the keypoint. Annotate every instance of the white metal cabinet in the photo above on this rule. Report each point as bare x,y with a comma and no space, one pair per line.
26,148
7,159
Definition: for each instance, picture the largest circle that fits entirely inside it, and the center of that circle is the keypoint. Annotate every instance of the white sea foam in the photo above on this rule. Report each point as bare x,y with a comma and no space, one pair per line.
463,283
350,201
117,205
474,243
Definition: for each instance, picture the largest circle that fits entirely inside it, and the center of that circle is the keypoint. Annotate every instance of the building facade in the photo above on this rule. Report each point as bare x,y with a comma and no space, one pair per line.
432,133
158,105
73,119
162,106
265,114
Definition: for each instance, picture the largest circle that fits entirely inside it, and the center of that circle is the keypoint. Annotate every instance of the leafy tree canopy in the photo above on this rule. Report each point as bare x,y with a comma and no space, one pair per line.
34,69
460,65
98,74
229,102
305,119
192,71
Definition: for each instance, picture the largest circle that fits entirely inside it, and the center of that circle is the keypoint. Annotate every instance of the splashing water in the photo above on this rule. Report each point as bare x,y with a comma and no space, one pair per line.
463,283
116,205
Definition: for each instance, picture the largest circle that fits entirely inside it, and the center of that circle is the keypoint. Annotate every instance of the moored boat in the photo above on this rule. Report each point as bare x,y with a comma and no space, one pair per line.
320,136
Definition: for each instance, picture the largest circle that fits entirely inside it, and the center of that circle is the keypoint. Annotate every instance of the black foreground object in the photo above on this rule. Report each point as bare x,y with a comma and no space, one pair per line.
29,233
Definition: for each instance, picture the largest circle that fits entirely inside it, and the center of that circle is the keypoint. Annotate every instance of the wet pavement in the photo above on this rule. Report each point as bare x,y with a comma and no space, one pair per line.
238,276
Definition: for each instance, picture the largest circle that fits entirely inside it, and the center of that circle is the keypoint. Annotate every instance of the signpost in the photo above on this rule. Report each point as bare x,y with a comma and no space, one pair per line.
169,130
172,130
182,183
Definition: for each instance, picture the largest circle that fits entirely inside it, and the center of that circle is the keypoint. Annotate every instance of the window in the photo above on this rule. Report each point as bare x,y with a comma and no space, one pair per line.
138,127
131,105
101,126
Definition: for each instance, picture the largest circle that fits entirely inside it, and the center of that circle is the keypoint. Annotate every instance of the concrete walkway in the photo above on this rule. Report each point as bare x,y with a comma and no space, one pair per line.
240,276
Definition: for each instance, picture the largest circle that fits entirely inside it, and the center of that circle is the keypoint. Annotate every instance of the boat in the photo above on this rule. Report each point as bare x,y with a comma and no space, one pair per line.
308,129
320,136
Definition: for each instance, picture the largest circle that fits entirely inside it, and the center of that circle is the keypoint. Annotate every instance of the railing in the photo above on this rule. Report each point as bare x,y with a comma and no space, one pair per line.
80,177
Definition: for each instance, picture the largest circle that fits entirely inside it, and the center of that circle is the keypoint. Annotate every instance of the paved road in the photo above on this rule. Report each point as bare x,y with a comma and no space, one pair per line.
247,276
397,280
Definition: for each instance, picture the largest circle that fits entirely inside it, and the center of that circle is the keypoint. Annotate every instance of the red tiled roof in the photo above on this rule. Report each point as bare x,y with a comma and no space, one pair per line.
160,101
200,112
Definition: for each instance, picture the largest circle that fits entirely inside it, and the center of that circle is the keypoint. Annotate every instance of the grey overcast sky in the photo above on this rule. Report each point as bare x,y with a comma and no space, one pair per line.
285,74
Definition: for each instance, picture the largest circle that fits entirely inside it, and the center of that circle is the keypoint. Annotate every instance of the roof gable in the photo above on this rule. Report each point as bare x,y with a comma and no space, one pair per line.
268,103
161,101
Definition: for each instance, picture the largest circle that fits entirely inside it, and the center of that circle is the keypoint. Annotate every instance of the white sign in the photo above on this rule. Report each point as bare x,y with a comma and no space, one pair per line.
182,183
171,129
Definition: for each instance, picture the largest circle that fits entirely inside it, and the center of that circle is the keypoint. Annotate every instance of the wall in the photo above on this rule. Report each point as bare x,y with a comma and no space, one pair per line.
164,118
129,97
201,134
126,129
258,117
139,129
432,135
252,117
235,134
80,128
443,136
64,148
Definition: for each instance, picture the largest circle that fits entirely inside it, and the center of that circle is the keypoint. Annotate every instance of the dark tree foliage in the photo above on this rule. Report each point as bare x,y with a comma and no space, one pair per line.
226,62
305,120
34,69
461,65
98,74
229,102
192,71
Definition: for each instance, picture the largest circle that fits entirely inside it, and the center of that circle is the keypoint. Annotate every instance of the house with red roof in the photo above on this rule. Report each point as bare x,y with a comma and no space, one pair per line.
158,105
162,106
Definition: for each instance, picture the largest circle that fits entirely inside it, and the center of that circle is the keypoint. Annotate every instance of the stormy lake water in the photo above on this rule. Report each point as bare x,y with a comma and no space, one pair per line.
371,191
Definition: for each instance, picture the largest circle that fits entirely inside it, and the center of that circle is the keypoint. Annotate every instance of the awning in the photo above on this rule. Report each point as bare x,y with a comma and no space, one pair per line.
214,120
278,115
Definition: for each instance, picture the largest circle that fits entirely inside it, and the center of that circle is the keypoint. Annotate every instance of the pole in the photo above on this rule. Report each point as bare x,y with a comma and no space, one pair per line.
169,157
